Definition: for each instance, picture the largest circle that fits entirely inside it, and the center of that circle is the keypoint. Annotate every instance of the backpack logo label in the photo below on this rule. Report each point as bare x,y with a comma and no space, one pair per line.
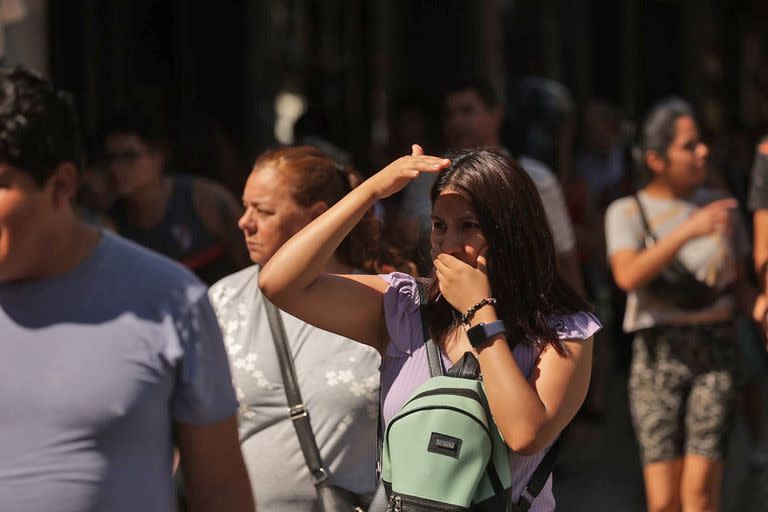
444,445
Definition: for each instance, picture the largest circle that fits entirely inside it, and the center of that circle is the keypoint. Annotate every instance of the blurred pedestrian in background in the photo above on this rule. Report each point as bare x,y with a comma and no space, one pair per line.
677,249
472,117
189,219
758,203
756,356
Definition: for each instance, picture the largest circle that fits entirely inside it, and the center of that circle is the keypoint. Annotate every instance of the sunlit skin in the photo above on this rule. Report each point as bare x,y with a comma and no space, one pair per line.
271,214
455,228
21,200
760,232
39,234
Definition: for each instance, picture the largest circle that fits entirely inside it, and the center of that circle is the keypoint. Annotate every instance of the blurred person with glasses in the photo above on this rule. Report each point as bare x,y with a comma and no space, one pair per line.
189,219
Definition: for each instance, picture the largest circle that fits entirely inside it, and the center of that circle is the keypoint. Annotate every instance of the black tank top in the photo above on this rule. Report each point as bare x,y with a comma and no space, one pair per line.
180,234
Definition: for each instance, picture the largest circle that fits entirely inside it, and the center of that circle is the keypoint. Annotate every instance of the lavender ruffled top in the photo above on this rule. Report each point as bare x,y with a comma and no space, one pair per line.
404,366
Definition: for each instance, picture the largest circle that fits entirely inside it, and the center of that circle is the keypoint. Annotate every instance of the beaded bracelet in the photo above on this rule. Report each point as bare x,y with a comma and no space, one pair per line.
466,317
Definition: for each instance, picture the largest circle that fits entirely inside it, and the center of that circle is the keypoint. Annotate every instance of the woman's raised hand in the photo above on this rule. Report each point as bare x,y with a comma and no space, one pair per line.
714,217
394,177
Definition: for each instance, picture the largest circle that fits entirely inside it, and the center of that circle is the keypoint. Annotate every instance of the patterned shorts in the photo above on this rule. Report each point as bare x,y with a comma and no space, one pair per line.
681,390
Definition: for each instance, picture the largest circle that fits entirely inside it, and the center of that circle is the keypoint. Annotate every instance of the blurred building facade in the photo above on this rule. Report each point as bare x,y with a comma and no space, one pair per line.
353,59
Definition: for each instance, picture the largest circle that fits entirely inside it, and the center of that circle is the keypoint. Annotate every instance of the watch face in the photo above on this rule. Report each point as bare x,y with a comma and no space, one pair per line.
477,335
481,334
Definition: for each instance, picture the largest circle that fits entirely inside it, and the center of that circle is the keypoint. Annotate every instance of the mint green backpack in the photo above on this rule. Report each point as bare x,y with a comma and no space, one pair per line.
443,452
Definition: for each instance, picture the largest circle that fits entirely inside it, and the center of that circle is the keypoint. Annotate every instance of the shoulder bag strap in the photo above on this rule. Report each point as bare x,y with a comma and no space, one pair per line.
538,479
296,410
675,264
644,219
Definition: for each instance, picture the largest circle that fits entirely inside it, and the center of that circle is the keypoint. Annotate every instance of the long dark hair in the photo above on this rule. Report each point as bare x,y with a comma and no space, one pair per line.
522,268
316,177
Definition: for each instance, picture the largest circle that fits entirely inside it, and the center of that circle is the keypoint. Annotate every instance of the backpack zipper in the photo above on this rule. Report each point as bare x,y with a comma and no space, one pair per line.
396,504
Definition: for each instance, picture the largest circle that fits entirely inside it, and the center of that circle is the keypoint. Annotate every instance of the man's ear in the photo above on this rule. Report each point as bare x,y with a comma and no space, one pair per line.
654,161
318,209
63,184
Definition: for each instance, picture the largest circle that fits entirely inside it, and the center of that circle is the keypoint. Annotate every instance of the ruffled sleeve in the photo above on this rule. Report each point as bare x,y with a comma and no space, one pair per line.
401,311
575,326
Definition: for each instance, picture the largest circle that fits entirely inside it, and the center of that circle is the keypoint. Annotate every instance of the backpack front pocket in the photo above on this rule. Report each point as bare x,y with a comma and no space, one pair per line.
436,451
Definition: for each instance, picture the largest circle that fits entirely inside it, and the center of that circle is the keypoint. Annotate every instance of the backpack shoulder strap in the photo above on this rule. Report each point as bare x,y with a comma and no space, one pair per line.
433,351
676,264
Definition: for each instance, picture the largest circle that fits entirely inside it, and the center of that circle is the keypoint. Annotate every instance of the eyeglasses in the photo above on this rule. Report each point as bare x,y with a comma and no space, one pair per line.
123,157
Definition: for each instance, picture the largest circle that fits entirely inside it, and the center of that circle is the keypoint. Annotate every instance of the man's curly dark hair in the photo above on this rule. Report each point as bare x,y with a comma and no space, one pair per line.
38,125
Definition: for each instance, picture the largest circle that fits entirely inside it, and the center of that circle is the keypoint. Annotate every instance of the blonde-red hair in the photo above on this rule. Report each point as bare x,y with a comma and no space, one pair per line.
315,177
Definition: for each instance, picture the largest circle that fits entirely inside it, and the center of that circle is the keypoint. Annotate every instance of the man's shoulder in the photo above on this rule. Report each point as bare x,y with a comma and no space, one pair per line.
152,271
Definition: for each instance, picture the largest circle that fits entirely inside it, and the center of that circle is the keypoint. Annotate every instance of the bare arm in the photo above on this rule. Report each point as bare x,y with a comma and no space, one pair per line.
529,415
752,303
219,211
633,269
213,467
760,251
352,306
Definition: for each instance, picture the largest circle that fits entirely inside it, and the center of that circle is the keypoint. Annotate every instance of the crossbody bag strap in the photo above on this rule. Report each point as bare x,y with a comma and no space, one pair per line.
676,264
644,219
297,412
538,479
433,351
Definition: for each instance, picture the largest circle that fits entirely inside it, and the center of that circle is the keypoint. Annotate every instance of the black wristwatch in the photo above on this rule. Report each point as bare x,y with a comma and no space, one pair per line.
482,333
